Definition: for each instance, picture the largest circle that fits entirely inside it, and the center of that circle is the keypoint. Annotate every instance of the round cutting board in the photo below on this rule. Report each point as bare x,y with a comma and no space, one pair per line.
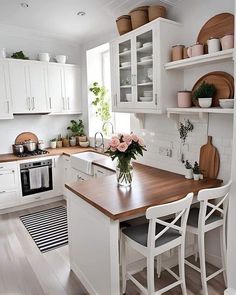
218,26
26,136
223,82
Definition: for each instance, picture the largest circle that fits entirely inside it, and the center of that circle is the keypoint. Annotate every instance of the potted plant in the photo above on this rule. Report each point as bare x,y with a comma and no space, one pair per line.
204,94
65,141
53,143
59,141
72,141
184,129
77,130
124,148
188,170
196,171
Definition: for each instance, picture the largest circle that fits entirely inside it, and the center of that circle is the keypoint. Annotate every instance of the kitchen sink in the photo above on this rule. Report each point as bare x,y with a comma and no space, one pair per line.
84,161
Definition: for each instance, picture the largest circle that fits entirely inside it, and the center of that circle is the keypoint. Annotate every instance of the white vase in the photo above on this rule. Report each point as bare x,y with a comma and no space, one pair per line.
53,144
196,176
188,173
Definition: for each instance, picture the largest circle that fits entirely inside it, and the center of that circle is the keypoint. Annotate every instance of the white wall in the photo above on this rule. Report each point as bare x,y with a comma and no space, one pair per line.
45,127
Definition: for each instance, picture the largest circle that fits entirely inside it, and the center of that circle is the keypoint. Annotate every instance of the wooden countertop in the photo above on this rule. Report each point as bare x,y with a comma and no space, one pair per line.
150,186
52,152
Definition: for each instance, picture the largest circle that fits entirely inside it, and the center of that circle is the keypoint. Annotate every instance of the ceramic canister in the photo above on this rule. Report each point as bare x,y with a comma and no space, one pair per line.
177,52
184,99
195,50
213,45
227,42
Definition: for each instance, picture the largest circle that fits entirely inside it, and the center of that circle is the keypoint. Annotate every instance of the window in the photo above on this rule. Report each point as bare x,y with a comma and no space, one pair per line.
98,70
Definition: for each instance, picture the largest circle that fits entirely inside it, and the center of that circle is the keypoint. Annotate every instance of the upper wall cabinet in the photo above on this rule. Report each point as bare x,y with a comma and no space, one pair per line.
5,96
64,88
140,83
28,86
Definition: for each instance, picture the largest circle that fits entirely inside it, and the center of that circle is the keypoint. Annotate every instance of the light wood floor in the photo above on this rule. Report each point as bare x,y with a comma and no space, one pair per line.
25,271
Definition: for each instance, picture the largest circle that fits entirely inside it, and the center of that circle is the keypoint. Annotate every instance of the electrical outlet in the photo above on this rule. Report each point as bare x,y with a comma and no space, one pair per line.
164,151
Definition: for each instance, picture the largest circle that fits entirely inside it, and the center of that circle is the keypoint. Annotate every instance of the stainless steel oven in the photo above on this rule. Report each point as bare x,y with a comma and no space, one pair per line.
36,177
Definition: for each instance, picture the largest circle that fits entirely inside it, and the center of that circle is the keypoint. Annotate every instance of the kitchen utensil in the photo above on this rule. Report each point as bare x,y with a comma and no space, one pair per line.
145,98
22,137
18,149
126,64
44,57
61,59
124,24
128,96
227,42
217,26
213,45
226,103
30,145
156,11
223,82
184,99
205,102
195,50
209,160
139,16
177,52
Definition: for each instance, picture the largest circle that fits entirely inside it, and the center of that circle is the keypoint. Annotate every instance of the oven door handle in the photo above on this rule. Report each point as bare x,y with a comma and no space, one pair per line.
26,170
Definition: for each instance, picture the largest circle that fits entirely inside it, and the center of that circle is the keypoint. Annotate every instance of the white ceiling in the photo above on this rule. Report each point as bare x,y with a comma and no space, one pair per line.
58,18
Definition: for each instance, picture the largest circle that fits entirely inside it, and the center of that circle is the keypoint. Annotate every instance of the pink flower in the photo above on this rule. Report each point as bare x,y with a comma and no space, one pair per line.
134,137
122,147
114,142
127,139
141,141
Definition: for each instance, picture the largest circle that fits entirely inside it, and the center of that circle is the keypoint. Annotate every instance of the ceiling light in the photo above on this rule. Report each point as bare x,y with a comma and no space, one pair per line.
24,5
81,13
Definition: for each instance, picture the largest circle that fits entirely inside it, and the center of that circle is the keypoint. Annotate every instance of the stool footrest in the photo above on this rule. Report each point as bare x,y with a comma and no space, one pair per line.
192,265
215,274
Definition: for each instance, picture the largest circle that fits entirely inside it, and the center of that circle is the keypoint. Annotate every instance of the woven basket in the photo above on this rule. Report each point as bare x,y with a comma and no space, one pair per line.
139,16
156,11
124,24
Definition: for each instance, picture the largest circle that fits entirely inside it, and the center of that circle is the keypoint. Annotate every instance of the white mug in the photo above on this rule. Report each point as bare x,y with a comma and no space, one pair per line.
44,57
195,50
213,45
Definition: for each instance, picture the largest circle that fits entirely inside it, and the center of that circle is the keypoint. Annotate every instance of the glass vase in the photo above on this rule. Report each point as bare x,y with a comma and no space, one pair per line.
124,173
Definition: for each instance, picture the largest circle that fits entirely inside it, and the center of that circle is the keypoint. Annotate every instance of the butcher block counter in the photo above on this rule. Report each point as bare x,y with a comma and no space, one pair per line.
95,209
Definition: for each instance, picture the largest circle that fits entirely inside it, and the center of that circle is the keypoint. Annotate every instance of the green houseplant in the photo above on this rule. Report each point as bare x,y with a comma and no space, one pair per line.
196,171
77,130
102,104
184,129
188,170
204,94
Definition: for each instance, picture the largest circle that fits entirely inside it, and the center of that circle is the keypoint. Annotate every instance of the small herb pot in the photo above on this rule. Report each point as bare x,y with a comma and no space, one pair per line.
82,138
59,144
189,173
65,142
73,141
196,176
53,144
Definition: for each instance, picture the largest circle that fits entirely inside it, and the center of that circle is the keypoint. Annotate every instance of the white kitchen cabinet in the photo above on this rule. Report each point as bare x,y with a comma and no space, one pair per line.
140,83
9,184
101,172
28,86
5,96
64,84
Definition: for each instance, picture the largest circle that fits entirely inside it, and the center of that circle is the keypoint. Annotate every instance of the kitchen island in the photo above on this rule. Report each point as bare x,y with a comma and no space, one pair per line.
95,210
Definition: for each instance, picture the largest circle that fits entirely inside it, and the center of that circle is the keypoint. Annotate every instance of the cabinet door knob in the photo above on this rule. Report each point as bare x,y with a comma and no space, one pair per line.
68,101
33,103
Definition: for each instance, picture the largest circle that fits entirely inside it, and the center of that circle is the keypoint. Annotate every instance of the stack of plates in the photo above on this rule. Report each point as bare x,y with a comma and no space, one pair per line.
149,57
126,64
147,44
148,93
146,98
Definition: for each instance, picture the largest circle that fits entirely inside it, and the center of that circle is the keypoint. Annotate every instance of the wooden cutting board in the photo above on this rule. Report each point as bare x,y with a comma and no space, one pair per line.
209,161
217,26
26,136
223,82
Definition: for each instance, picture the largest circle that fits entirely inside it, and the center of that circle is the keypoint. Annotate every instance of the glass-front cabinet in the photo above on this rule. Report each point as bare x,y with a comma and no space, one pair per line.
137,65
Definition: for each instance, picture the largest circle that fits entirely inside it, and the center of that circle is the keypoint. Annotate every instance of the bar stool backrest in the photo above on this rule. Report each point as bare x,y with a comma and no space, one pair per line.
179,208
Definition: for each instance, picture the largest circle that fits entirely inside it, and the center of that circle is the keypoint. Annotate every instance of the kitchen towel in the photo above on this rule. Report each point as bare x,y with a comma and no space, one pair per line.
35,178
45,176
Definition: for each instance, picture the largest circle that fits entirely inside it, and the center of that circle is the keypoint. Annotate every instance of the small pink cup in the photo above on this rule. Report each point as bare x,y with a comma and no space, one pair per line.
184,99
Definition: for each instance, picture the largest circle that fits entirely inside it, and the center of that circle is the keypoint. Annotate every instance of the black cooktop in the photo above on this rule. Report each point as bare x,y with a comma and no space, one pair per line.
34,153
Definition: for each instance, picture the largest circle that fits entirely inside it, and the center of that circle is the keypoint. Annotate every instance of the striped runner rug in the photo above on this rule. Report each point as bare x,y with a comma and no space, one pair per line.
48,228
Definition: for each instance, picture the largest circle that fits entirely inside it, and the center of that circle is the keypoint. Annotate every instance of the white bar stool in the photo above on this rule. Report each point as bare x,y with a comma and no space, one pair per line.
156,237
210,216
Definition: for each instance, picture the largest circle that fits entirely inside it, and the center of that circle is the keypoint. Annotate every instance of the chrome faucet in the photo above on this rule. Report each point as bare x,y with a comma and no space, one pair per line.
112,127
96,144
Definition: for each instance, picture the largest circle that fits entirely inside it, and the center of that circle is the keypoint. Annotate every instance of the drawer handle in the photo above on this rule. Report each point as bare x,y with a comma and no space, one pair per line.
2,192
36,198
101,172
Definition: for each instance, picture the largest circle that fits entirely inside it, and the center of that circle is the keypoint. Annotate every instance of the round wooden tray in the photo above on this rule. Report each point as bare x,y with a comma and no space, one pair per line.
26,136
217,26
223,82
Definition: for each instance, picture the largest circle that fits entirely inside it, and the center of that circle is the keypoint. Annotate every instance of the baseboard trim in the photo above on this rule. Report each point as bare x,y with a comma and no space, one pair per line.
87,285
230,291
214,260
31,204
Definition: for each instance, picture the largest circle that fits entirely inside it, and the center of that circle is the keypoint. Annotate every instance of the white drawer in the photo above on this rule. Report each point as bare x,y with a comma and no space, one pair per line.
101,172
8,197
8,166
